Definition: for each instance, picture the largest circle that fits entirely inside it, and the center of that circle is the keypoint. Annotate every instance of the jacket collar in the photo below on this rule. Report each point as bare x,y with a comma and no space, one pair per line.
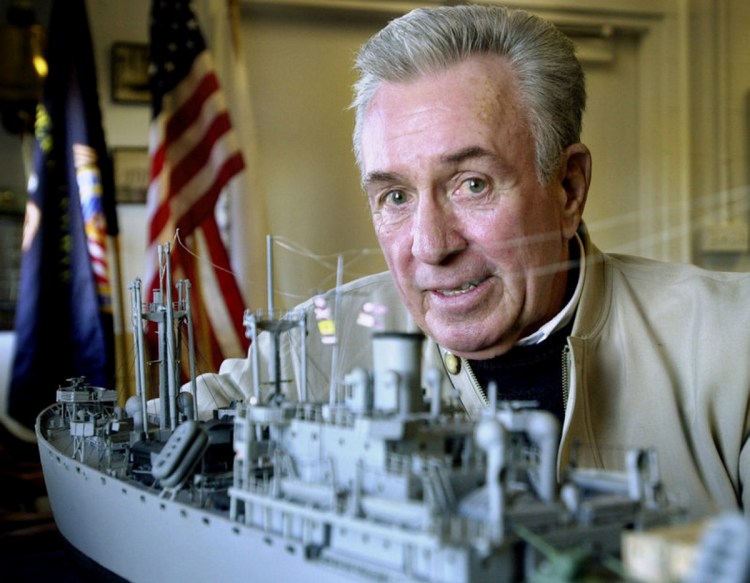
596,293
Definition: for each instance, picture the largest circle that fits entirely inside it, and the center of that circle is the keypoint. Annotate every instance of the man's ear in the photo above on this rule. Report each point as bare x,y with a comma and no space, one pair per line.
575,178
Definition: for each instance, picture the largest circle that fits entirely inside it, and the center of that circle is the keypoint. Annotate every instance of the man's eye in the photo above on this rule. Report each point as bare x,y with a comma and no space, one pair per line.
472,186
395,197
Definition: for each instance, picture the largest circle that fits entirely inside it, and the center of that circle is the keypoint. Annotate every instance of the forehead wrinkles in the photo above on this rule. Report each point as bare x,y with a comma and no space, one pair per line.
474,103
391,128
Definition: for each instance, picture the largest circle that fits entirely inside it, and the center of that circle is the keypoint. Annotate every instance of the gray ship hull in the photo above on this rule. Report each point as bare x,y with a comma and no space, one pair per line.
135,533
141,537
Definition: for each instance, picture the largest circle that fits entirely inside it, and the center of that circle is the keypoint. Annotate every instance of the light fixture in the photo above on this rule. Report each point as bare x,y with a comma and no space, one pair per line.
22,68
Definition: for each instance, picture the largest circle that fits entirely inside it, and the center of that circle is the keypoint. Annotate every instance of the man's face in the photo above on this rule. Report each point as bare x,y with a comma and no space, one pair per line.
474,243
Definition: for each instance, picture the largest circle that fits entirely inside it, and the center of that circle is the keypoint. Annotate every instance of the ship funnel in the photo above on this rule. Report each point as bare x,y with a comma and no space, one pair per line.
397,364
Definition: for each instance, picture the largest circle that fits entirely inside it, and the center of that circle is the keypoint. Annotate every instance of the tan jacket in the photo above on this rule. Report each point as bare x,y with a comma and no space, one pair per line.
658,358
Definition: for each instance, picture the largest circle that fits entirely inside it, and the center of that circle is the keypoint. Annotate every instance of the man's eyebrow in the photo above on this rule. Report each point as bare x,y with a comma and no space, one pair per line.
467,153
379,177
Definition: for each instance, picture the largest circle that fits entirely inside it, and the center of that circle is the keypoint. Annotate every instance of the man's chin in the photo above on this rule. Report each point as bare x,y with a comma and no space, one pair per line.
470,346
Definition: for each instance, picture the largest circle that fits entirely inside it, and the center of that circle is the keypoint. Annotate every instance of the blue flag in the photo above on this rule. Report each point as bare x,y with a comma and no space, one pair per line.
64,324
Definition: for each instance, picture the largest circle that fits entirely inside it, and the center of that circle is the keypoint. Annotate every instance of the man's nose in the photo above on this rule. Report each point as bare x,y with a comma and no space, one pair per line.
435,232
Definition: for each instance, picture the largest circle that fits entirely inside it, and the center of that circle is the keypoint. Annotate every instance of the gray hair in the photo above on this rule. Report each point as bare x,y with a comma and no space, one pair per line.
550,77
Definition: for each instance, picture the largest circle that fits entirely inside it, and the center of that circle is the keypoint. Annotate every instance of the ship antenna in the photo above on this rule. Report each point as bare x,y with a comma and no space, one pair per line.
335,352
276,358
191,347
169,352
275,322
269,273
140,375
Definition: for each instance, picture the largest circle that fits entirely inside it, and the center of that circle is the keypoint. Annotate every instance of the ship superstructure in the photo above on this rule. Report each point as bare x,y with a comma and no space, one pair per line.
383,482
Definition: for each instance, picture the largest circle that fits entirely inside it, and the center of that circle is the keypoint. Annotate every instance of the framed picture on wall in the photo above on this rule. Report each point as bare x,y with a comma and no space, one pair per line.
131,170
130,73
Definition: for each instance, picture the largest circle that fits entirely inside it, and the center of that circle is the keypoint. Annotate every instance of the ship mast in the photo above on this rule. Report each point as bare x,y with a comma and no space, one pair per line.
276,322
169,316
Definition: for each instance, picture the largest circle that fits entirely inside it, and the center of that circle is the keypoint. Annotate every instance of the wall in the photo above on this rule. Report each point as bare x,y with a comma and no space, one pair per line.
297,144
313,202
124,124
720,123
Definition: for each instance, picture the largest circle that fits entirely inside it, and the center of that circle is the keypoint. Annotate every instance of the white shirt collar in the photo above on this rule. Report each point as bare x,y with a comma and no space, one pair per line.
563,317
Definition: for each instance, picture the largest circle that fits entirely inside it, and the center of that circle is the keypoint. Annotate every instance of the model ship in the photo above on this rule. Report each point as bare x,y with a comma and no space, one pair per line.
382,483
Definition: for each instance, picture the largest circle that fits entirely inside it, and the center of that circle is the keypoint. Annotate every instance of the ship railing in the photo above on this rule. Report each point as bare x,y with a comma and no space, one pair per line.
338,414
260,487
309,412
443,493
461,529
179,307
55,419
398,463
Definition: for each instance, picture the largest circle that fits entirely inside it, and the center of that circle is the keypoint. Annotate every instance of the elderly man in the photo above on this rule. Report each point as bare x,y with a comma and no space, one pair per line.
468,122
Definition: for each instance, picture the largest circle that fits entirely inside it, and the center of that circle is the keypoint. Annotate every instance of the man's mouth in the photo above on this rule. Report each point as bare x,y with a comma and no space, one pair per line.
467,287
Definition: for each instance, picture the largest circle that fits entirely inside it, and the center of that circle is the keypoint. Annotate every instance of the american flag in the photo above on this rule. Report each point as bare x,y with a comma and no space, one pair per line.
194,154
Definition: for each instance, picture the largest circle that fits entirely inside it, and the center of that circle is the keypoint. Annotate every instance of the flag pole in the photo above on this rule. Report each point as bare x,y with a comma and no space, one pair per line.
233,7
122,373
247,193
